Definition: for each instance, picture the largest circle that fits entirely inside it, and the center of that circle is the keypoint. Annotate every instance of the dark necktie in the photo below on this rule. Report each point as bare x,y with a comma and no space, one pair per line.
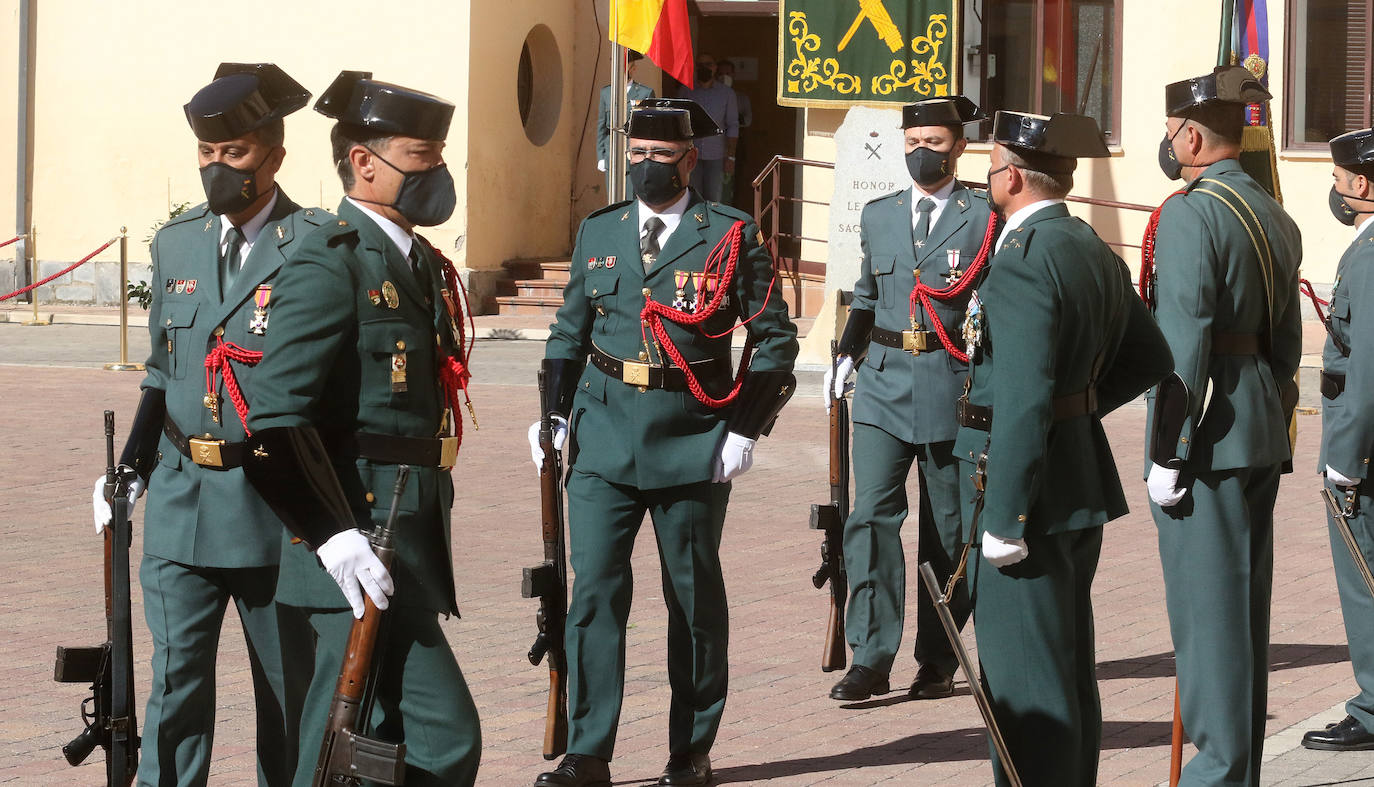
231,261
417,266
648,242
922,229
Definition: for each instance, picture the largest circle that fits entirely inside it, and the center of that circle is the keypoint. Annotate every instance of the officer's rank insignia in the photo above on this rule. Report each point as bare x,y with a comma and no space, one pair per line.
758,238
680,279
257,324
181,286
960,203
393,300
952,276
171,284
974,321
610,262
398,368
375,296
281,233
190,286
208,222
920,244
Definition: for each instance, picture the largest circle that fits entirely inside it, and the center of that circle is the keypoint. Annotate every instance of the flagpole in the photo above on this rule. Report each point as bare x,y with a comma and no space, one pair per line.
615,165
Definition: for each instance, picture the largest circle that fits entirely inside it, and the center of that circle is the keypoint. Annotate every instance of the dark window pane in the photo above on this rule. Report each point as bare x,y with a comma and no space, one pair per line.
1332,56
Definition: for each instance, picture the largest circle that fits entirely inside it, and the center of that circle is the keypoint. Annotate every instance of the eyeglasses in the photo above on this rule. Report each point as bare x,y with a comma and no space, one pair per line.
661,155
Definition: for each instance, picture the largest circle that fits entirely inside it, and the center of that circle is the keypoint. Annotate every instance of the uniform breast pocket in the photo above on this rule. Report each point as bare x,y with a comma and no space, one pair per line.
177,321
388,351
600,290
882,276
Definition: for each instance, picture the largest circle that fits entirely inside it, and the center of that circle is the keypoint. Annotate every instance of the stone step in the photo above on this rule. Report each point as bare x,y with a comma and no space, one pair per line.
540,288
555,271
525,305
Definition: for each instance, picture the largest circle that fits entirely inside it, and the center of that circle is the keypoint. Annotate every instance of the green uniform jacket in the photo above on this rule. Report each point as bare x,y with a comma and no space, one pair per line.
637,92
1348,419
911,397
659,438
1210,279
328,363
1056,300
200,516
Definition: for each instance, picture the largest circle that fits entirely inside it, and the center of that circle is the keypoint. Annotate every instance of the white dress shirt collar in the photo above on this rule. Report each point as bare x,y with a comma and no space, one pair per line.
940,198
1364,225
1019,217
671,216
400,237
250,229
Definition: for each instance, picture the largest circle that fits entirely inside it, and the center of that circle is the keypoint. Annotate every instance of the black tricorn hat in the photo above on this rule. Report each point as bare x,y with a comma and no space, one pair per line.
662,118
1061,134
951,111
1226,84
1353,148
357,99
243,97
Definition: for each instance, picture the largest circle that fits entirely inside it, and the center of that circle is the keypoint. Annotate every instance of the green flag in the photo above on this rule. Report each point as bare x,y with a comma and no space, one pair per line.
845,52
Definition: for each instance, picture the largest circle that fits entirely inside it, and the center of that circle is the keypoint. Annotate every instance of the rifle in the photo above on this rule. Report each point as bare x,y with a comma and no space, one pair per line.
548,582
346,756
830,517
109,667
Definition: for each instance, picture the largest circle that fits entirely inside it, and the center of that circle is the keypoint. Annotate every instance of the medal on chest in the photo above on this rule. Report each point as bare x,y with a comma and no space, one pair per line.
398,368
952,275
975,322
257,324
680,281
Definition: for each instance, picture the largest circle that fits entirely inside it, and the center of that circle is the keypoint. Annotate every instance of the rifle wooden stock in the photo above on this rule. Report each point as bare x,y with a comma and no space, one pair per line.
548,582
830,518
1176,741
345,755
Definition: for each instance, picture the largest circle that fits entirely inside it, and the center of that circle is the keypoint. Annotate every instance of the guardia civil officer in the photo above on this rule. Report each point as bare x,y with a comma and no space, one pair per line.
904,402
357,378
209,538
1226,295
1060,341
647,435
1347,386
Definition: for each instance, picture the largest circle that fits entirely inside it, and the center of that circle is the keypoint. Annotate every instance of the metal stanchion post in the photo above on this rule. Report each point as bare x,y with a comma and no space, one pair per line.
31,248
123,365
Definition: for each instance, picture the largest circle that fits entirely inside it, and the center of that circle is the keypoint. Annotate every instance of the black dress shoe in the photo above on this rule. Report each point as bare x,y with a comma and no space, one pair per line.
859,683
688,769
931,684
1345,735
577,770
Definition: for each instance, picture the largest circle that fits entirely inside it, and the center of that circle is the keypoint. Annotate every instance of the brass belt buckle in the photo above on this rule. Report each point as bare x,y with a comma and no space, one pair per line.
206,452
635,373
914,342
448,452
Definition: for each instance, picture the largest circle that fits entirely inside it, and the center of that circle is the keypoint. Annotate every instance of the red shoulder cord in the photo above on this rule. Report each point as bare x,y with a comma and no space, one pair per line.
1146,284
454,371
922,292
217,365
653,314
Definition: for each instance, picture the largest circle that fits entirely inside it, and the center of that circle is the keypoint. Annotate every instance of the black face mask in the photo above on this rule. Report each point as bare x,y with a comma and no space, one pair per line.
1168,162
229,189
927,167
425,198
656,182
988,194
1340,208
704,74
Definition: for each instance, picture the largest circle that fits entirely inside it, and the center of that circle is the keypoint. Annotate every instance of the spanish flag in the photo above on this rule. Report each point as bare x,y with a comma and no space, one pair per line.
659,29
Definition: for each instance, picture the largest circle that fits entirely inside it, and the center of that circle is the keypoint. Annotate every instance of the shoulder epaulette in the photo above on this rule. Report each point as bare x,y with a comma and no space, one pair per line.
315,216
196,213
337,231
611,208
889,195
732,213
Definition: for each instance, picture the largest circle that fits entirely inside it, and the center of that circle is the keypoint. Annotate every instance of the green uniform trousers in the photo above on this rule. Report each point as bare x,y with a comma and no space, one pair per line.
603,521
421,699
185,606
1034,627
1217,548
1357,606
873,556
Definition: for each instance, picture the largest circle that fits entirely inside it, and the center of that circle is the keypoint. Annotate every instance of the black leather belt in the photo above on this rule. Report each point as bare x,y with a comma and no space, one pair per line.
441,452
1065,407
913,341
646,375
1333,385
1235,344
204,451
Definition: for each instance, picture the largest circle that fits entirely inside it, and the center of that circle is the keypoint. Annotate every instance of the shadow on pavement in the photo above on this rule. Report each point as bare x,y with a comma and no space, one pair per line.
1281,656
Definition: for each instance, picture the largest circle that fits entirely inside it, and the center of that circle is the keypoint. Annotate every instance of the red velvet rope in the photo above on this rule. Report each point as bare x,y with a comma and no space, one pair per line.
11,240
653,314
1146,284
60,273
922,292
217,365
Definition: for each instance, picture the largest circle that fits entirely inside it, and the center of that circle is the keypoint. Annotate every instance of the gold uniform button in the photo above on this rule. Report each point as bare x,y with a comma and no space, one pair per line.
1183,439
647,292
594,291
400,345
586,385
371,498
219,330
169,320
1021,518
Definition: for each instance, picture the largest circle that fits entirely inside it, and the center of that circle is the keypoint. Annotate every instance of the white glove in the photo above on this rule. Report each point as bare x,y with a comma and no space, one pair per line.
839,383
560,436
601,165
1002,552
736,455
349,559
101,506
1339,479
1163,486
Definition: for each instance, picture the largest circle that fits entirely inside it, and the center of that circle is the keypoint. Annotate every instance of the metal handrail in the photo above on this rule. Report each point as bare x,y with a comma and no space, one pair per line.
776,160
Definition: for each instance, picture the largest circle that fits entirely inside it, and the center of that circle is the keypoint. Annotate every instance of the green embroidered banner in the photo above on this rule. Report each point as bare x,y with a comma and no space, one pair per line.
844,52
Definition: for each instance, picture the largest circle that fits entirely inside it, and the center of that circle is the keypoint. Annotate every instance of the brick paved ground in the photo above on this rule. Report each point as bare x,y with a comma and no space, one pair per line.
779,726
